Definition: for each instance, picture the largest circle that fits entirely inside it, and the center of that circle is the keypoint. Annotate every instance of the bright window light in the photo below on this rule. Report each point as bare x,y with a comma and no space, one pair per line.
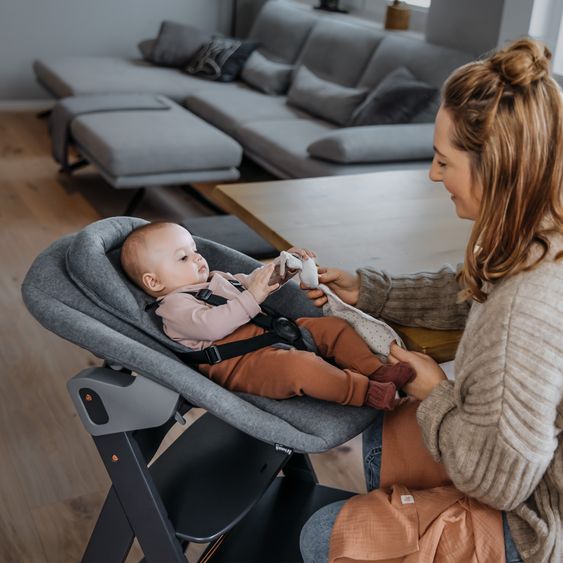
421,3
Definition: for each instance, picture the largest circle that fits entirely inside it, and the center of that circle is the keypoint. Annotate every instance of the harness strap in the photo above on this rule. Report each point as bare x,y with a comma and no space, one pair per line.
215,354
280,330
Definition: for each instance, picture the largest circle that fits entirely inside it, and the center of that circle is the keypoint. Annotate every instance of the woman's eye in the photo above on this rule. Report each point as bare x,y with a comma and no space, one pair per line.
441,164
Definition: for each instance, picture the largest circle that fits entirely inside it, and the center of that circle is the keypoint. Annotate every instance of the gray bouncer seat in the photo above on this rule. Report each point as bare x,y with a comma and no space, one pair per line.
218,483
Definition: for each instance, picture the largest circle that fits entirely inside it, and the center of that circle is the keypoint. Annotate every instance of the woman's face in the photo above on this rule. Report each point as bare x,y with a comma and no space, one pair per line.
452,167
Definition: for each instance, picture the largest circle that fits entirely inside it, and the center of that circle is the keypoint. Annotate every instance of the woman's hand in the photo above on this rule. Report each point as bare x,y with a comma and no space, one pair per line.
428,373
345,284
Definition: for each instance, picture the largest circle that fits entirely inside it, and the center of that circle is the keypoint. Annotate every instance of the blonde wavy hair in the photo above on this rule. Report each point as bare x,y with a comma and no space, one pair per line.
507,112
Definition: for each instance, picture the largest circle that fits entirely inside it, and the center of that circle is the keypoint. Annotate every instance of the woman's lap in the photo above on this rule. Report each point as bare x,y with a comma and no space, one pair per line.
315,536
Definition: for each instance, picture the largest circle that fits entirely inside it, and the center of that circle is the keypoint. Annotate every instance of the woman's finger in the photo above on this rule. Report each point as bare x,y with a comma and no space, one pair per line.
392,360
328,276
397,352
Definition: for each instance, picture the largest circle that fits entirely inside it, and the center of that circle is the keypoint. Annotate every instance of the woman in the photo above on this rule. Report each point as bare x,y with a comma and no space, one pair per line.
496,430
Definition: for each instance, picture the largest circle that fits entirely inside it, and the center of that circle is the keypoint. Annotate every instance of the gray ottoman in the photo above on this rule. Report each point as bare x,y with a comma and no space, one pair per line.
140,148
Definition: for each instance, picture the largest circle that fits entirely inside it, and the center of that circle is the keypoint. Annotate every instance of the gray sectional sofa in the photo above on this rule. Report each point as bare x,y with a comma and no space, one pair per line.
286,139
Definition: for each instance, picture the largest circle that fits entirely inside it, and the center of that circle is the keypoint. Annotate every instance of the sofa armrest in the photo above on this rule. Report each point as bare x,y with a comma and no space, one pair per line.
376,143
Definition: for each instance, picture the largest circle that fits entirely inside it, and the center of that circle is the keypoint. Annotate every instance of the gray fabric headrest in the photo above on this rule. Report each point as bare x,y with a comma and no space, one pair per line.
92,262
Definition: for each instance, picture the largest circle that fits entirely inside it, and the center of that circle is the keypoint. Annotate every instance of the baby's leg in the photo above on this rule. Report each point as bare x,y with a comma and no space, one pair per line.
280,374
335,338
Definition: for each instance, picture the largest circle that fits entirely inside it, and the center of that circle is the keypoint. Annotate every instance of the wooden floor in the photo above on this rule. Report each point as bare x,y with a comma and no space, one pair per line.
52,483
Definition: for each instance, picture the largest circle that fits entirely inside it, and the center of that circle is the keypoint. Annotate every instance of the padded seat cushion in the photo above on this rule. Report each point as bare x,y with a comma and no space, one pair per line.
133,143
286,142
76,289
230,110
74,76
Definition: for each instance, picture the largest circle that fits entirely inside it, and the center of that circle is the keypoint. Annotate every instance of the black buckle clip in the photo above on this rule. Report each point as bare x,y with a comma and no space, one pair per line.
286,328
212,353
204,294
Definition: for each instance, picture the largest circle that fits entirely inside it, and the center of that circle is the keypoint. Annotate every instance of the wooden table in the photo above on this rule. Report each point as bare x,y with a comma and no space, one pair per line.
398,221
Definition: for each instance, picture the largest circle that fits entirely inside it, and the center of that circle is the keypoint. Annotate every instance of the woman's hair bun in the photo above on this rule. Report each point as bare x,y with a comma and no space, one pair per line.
522,63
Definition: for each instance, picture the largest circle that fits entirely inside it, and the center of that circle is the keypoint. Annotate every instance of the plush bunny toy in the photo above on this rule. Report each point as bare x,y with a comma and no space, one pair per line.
375,332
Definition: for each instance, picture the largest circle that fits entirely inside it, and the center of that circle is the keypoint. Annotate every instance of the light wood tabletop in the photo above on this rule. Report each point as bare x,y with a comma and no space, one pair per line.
398,221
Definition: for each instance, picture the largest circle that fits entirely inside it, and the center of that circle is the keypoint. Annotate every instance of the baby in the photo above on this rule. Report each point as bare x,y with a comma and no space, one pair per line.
162,259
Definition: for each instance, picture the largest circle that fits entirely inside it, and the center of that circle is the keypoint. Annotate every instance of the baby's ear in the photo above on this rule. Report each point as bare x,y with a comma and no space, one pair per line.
151,283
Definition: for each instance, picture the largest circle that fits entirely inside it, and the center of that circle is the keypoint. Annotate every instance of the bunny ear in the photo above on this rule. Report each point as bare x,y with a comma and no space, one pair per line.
282,260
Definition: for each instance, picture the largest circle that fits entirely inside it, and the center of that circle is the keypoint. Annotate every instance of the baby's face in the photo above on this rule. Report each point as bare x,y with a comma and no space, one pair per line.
173,259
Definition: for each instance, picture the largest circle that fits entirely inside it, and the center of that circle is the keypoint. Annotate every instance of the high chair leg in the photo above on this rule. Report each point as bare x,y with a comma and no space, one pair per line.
112,536
139,499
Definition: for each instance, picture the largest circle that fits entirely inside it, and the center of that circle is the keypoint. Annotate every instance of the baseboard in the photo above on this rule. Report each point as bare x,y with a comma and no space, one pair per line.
26,105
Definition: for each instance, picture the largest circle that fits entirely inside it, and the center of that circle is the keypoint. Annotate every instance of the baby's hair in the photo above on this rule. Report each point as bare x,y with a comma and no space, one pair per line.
131,251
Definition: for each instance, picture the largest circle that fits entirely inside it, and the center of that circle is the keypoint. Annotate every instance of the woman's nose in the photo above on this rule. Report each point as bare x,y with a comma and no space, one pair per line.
434,173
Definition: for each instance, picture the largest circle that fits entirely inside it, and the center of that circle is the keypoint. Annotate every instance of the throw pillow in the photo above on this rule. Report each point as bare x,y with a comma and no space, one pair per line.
322,98
221,59
396,99
266,75
177,43
145,47
378,143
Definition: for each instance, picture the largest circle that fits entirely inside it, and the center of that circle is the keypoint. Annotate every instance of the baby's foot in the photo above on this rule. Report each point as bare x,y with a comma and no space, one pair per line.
400,374
381,395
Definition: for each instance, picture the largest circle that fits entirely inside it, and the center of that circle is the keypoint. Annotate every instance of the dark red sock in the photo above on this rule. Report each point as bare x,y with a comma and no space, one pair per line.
400,374
380,395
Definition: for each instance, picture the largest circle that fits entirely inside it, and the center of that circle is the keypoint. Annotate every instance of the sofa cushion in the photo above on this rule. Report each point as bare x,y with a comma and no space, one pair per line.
396,99
268,76
339,51
281,29
429,63
281,148
177,43
74,76
230,109
376,143
132,143
221,59
322,98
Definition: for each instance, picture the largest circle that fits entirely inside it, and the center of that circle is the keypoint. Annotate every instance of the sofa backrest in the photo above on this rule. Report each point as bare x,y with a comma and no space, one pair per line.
339,51
281,29
429,63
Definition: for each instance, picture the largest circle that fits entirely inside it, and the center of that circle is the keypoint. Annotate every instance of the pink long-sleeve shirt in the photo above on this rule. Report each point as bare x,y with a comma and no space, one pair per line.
196,324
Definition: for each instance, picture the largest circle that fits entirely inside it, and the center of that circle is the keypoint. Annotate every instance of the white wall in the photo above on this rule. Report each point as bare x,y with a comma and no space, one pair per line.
471,26
31,29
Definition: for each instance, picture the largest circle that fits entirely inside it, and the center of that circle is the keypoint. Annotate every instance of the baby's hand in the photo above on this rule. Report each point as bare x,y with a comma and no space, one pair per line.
258,284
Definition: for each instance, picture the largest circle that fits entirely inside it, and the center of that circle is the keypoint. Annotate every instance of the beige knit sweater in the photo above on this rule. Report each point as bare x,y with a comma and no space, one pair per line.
497,428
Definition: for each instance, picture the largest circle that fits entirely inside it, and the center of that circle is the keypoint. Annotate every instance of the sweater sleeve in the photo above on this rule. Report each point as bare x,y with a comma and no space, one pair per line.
494,429
424,299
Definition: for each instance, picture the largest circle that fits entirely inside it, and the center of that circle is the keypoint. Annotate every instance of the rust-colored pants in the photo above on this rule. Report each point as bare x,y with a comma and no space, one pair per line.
280,374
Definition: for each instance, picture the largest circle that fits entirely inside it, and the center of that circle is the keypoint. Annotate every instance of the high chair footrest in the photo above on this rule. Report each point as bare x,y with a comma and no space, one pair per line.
212,475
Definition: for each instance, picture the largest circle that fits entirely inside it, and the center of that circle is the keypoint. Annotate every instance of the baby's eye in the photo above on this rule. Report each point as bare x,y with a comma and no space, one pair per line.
184,258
